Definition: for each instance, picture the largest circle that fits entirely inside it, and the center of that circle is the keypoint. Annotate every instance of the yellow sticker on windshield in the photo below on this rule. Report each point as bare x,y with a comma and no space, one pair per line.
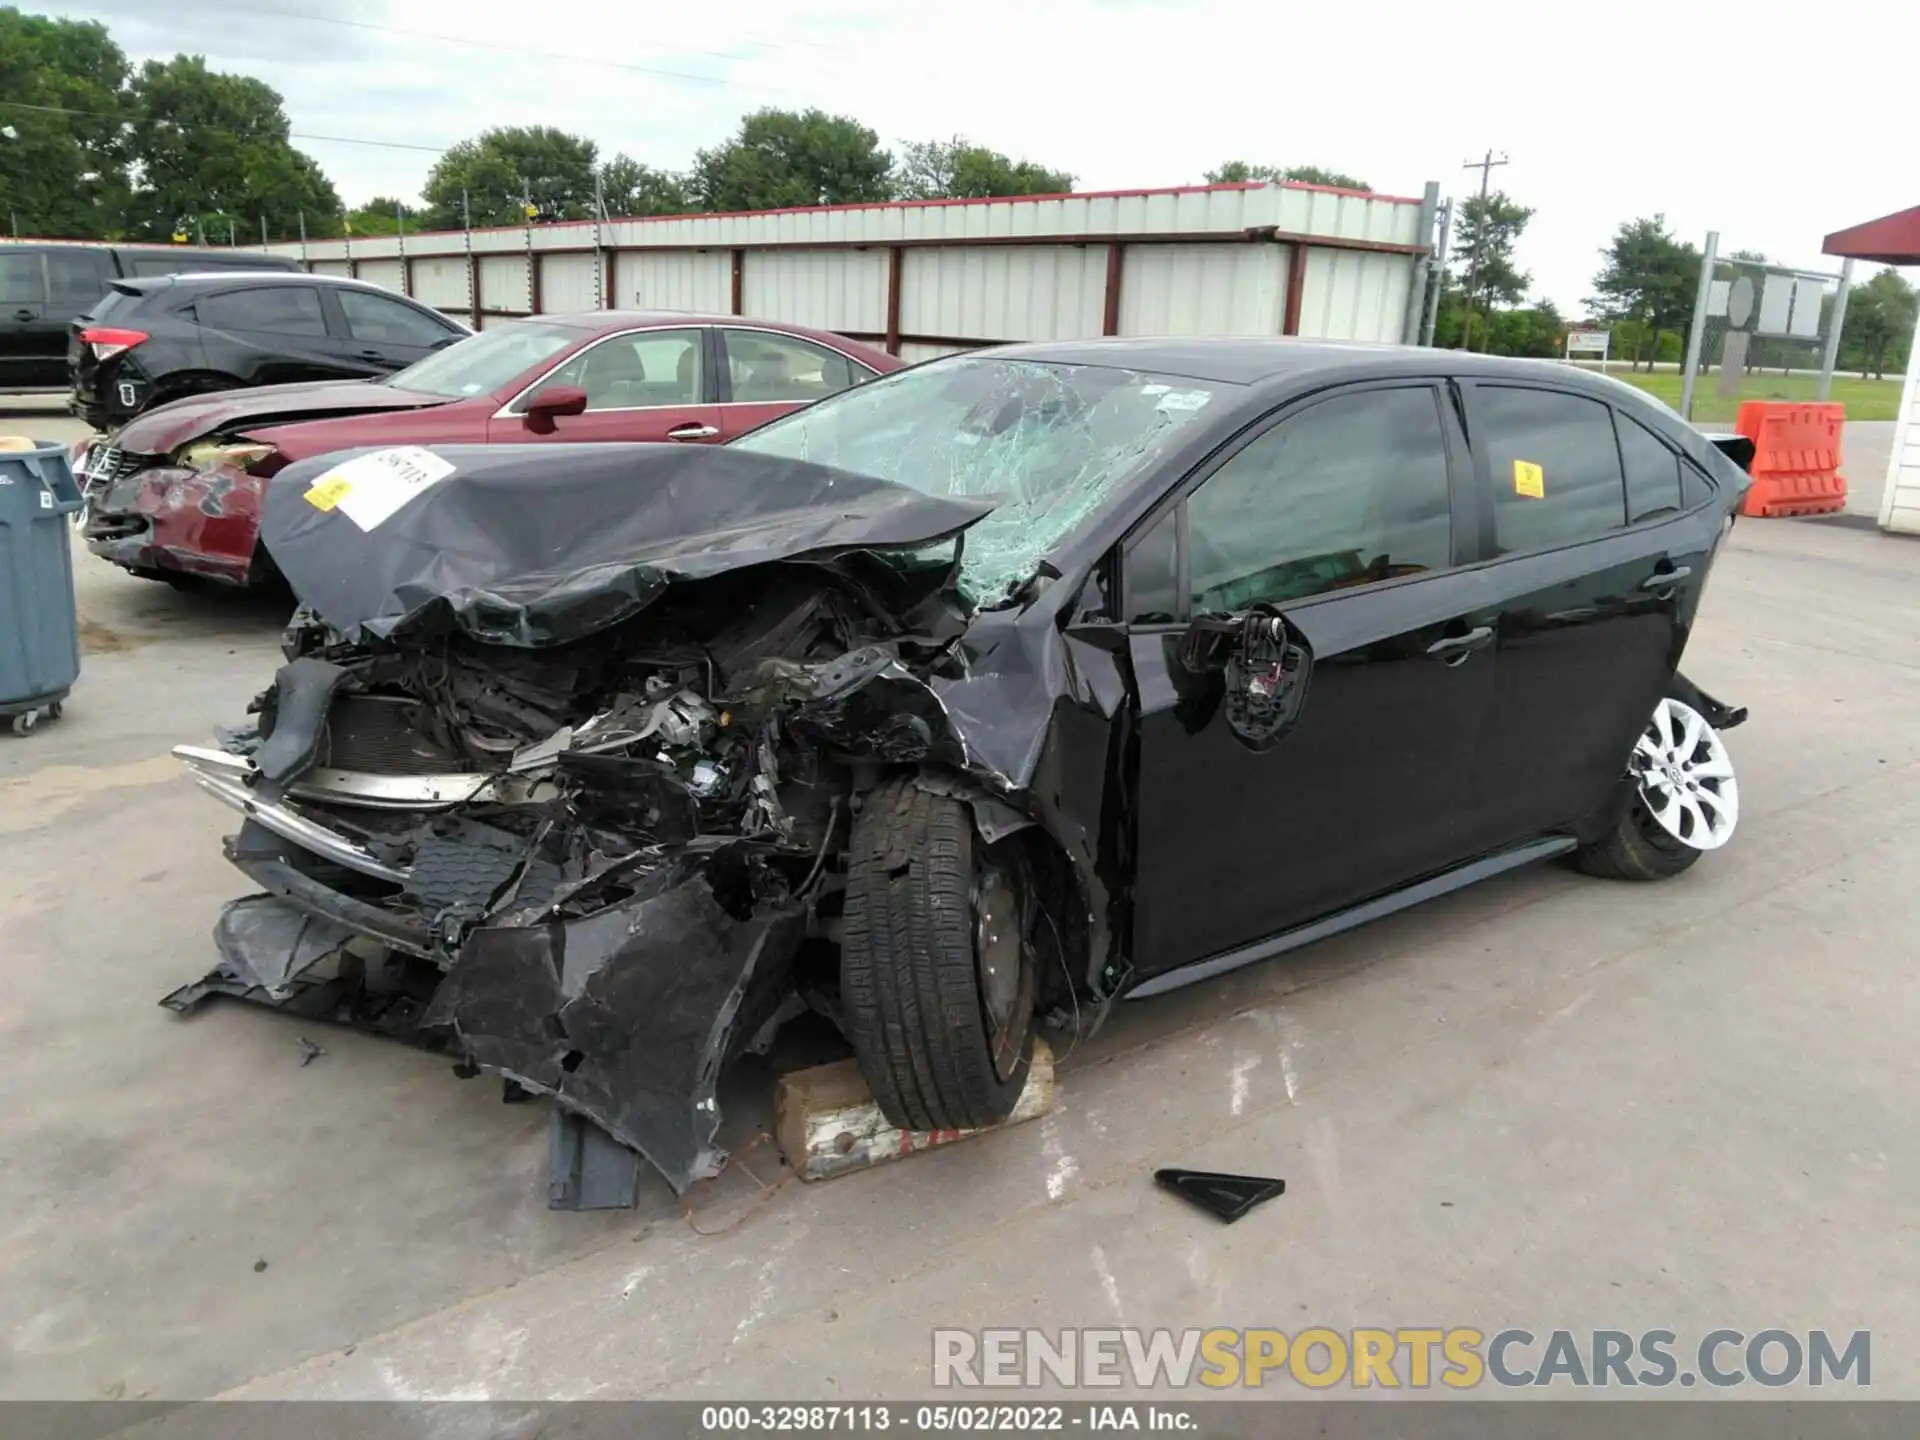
1529,480
327,492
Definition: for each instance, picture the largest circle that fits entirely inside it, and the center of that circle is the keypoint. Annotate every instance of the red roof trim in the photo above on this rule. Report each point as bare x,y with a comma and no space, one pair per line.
1892,239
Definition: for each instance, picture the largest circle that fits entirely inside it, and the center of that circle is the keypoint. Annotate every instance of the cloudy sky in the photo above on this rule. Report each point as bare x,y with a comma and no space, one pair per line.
1711,111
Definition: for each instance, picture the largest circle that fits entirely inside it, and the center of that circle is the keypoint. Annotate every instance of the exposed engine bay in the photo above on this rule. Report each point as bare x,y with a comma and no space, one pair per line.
585,827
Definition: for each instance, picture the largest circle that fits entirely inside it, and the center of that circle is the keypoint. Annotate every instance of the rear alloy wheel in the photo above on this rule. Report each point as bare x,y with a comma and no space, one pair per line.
1686,800
936,972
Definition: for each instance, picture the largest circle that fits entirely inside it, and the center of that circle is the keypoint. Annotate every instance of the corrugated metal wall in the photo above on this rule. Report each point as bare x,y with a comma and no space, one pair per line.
1204,290
934,277
695,280
1354,295
1003,292
843,290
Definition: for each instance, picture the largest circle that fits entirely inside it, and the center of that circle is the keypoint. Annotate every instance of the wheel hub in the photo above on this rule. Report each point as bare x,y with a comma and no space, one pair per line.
1686,777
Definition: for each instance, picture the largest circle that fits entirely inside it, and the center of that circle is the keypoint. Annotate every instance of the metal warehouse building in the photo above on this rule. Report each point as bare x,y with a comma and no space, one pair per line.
927,277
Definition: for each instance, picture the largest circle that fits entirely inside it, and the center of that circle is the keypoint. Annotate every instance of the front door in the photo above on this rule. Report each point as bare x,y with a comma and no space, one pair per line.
385,331
1341,515
1598,573
642,385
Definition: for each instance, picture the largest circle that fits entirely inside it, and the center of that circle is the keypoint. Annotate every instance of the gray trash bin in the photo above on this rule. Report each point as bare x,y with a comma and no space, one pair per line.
39,630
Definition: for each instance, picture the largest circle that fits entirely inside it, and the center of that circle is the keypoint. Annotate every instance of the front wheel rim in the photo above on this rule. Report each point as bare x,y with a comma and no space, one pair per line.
1686,777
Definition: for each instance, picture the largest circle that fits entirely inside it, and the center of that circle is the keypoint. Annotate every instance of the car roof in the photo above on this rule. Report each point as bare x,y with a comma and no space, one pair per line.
1232,359
1273,362
146,284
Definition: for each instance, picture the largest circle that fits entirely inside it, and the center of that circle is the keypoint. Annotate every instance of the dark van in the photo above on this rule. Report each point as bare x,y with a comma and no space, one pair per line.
45,287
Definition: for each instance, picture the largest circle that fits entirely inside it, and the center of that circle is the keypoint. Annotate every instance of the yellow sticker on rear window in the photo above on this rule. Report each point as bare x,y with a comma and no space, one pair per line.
327,492
1529,480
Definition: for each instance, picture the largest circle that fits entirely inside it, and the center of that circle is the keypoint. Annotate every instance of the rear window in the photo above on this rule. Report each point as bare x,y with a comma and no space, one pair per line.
281,309
1555,467
115,302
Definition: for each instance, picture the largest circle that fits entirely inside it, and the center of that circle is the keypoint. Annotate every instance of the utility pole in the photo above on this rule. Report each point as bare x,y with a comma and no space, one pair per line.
1486,167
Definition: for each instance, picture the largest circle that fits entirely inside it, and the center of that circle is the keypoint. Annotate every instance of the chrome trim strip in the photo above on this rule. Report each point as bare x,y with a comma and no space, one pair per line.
355,787
291,826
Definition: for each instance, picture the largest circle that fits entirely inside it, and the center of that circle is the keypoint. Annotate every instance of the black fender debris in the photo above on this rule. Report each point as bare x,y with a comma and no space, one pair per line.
1227,1196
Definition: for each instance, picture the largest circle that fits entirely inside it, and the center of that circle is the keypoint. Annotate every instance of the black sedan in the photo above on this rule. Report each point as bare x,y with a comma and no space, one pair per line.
996,689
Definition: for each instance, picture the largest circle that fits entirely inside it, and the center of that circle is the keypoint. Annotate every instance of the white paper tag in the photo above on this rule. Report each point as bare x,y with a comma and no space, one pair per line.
46,500
1184,400
370,489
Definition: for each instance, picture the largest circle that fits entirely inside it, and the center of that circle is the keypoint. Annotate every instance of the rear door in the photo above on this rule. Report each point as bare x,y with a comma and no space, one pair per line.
387,331
1342,513
274,334
764,374
1594,579
23,308
646,385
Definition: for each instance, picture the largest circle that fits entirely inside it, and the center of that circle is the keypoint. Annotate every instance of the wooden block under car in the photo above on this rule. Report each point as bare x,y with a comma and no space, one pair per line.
828,1124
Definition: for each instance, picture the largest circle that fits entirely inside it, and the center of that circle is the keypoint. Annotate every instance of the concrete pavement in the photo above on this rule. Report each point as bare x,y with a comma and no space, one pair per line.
1549,1102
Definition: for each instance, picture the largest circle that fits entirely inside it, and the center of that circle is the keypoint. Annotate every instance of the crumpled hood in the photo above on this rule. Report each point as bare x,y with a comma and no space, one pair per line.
533,545
166,428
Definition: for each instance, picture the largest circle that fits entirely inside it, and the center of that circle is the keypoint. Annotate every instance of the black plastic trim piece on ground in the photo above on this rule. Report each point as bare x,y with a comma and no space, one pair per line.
1228,1196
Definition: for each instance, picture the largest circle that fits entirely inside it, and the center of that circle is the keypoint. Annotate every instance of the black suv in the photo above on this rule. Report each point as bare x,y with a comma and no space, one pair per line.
45,287
150,341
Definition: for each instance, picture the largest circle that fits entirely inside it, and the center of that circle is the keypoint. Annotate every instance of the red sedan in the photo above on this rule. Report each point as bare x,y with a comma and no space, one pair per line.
176,493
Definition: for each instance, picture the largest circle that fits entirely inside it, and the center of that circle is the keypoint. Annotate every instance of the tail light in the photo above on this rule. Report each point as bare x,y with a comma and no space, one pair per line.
108,342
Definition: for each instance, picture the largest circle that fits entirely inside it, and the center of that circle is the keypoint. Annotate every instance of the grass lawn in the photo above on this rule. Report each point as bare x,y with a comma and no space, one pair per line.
1864,399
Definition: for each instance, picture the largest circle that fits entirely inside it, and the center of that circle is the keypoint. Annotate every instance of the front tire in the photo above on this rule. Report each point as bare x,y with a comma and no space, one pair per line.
936,975
1684,800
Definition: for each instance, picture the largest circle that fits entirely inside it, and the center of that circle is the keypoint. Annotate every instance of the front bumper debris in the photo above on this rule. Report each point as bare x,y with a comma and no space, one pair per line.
172,519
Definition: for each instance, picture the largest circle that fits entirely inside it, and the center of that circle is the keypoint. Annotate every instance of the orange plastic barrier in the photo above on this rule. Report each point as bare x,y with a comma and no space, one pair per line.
1796,460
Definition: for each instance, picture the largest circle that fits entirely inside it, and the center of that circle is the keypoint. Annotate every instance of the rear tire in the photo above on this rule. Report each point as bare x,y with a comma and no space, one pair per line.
913,989
1665,764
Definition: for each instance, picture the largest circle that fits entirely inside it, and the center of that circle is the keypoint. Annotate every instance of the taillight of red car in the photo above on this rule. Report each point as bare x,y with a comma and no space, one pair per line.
108,341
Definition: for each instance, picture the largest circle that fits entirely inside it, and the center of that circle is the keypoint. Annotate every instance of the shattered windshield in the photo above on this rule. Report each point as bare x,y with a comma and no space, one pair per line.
482,363
1050,442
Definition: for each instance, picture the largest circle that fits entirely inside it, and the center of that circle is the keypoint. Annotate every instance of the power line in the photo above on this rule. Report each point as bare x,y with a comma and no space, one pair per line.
218,129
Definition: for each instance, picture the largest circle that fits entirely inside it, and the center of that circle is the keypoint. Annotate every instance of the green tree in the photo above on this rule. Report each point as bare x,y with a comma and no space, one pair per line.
1236,172
383,215
630,188
1485,231
61,174
1647,276
1879,322
213,158
503,170
957,169
783,158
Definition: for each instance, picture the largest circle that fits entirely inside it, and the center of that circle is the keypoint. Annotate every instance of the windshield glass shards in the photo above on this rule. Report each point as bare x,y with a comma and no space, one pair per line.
1047,442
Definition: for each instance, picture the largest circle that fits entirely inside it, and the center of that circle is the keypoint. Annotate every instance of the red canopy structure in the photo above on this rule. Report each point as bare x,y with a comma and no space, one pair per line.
1890,240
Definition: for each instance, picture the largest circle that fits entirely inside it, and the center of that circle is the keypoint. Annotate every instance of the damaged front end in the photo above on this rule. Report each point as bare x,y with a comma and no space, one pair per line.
582,825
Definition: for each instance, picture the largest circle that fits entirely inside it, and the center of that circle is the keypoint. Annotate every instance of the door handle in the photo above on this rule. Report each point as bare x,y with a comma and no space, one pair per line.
23,315
371,354
1666,579
693,430
1455,648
